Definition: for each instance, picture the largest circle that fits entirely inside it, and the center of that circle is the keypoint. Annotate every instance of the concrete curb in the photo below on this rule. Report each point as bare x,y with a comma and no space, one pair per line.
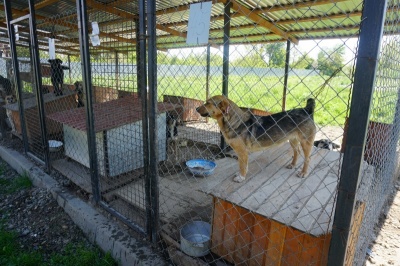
100,230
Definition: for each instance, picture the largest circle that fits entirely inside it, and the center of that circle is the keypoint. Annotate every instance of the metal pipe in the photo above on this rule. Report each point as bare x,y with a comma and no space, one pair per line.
38,84
14,59
87,86
152,110
373,17
142,92
285,80
225,63
208,73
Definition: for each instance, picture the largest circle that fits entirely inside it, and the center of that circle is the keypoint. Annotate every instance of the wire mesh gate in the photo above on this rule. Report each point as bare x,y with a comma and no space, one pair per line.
140,172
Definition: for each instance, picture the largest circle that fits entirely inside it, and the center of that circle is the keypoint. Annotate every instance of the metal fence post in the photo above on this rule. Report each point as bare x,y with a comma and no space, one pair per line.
142,91
225,60
14,59
367,59
87,81
152,111
285,81
38,83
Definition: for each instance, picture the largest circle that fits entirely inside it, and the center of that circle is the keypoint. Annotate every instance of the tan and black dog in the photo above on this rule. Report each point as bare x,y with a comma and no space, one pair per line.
246,132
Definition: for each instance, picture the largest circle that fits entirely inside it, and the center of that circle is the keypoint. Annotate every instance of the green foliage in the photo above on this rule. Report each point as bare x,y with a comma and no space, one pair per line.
73,254
11,254
8,186
304,62
331,59
79,255
269,55
276,54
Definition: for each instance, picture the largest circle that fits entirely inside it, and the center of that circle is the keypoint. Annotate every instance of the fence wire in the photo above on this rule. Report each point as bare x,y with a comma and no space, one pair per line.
274,216
382,147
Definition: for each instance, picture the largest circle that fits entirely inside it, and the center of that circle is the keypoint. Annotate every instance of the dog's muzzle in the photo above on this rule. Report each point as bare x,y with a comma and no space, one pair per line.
201,112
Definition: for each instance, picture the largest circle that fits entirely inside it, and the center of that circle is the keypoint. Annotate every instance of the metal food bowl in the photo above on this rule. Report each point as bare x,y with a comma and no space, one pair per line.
55,145
195,238
201,167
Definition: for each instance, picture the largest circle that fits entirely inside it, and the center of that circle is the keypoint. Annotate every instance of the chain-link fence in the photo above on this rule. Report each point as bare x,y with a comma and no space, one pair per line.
381,149
140,142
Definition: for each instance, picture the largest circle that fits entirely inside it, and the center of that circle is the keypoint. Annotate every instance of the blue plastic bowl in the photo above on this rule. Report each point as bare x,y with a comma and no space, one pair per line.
201,167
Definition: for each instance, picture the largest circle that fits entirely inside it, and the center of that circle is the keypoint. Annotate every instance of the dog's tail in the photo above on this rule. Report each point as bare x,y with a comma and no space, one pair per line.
310,106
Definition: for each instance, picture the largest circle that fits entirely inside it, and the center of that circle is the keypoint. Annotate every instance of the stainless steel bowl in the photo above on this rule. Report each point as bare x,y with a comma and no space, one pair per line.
55,145
195,238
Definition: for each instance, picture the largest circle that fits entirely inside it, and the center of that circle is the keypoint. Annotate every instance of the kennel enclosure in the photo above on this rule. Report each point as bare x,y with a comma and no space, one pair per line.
139,72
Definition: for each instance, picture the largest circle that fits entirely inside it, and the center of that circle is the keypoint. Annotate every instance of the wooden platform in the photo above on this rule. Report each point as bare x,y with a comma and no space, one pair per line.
272,190
273,218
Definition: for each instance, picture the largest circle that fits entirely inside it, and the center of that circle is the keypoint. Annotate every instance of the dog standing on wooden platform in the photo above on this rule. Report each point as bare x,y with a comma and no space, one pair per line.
246,132
57,75
80,97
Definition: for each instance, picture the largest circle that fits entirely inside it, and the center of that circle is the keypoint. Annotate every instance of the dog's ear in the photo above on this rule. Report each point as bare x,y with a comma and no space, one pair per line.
224,107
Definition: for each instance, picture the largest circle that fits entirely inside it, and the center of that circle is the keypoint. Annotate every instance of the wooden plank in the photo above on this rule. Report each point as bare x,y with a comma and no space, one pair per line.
299,199
269,163
75,172
176,200
225,169
325,250
264,192
276,200
276,242
309,218
355,232
312,249
260,240
218,228
232,217
292,248
244,236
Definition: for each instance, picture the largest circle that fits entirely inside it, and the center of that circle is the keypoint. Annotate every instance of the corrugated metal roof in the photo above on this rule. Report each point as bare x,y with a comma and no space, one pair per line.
255,21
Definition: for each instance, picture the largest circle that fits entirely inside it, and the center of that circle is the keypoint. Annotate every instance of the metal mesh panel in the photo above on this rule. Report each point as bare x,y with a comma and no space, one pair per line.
273,216
267,211
381,150
31,121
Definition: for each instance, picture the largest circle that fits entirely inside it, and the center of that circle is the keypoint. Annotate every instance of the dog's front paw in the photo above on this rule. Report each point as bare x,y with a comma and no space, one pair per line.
290,166
239,178
301,174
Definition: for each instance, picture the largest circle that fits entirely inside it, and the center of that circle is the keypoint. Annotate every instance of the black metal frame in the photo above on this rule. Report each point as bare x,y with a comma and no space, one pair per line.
87,86
371,31
370,38
38,83
152,111
14,59
34,55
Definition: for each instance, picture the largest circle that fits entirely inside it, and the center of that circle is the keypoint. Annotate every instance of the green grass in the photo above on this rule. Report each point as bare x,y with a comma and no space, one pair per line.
8,186
267,93
261,93
12,255
73,254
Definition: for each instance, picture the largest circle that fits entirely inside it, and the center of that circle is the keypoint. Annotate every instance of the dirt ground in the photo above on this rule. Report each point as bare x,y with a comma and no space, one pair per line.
385,249
39,222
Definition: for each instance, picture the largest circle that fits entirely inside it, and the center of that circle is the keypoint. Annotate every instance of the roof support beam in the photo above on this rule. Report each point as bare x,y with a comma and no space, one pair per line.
42,4
261,21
